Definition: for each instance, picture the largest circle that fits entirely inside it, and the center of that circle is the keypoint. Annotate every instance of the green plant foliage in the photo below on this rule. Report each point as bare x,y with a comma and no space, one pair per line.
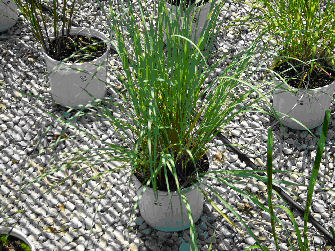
269,185
170,111
303,245
188,2
304,30
39,15
8,242
165,82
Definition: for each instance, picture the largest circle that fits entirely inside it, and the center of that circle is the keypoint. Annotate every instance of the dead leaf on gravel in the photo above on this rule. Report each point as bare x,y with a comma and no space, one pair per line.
62,136
262,238
219,157
61,207
3,107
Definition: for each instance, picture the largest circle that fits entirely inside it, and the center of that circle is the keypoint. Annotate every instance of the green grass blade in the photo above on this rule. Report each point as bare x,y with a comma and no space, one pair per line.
193,231
269,168
315,172
296,227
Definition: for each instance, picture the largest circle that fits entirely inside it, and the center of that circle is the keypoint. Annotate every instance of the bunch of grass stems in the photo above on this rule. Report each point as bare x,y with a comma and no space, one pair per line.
303,29
169,110
39,19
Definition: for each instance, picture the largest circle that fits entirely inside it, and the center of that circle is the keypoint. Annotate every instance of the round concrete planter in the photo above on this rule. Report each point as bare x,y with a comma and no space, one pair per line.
8,14
18,234
308,106
164,214
74,84
200,18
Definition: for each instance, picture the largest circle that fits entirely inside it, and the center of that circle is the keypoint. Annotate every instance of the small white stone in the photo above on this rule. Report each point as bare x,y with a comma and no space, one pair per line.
232,157
118,206
230,35
317,207
88,223
17,94
34,92
244,124
318,240
76,222
250,241
4,190
287,151
4,118
259,162
236,133
3,127
225,231
254,124
49,220
299,164
118,235
4,159
67,238
70,206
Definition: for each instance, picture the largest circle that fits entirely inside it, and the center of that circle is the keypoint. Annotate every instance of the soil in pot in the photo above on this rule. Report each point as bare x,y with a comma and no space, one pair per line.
12,244
83,48
294,72
186,176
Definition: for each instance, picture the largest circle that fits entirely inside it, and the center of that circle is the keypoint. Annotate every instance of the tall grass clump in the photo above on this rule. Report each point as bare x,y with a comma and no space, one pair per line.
302,240
172,108
40,16
304,31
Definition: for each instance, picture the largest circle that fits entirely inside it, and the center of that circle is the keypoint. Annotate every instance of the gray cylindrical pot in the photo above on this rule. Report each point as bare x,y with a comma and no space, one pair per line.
308,106
165,214
8,14
200,18
74,84
18,234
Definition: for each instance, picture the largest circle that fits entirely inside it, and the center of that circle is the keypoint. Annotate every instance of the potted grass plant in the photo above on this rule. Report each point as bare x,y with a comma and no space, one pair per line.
192,15
8,14
165,120
75,57
168,116
305,65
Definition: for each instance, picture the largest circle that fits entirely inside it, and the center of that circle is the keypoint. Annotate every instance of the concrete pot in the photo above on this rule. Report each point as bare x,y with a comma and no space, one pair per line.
70,87
8,14
305,105
164,214
18,234
200,18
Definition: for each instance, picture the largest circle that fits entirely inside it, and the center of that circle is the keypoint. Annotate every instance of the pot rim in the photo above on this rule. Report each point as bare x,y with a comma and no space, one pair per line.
18,234
196,7
139,186
86,30
303,89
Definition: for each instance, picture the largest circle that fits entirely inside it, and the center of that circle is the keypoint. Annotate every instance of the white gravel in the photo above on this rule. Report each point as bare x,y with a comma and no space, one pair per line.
73,217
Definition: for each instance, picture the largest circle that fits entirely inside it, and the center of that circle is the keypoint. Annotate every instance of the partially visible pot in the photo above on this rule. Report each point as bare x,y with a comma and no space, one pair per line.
70,87
200,18
308,106
18,234
9,14
167,215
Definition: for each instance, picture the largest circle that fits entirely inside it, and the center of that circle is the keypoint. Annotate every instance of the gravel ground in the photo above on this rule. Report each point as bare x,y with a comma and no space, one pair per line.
96,215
